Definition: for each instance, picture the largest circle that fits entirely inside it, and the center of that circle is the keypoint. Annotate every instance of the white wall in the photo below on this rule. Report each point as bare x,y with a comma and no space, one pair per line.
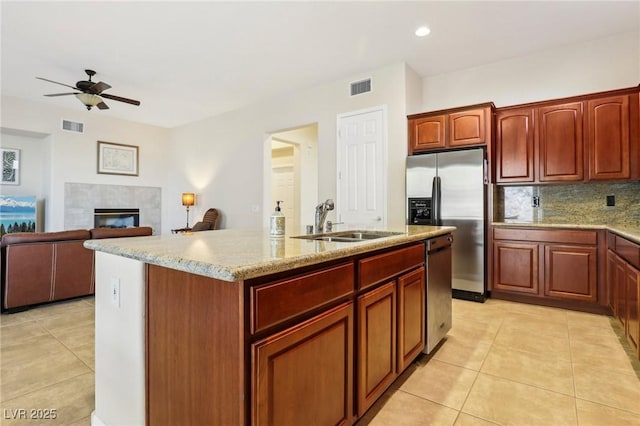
598,65
73,157
32,158
222,157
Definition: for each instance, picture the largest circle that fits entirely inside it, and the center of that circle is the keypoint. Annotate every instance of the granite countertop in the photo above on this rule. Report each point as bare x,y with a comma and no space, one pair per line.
239,254
627,230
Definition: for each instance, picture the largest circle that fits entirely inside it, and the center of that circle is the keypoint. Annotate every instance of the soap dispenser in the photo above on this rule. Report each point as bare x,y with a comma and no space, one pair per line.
277,221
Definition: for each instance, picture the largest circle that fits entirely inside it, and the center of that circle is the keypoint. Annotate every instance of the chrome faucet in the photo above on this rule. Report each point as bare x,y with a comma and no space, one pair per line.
321,214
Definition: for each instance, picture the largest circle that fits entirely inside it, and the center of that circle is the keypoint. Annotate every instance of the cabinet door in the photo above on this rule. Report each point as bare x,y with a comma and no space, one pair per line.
411,317
570,272
515,267
608,138
611,281
621,292
426,133
560,142
633,308
303,375
376,368
469,127
514,146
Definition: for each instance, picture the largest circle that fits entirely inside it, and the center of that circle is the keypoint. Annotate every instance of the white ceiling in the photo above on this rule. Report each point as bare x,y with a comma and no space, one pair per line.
186,61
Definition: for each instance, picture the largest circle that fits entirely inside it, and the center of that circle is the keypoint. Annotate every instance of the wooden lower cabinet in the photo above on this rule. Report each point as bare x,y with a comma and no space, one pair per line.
316,346
552,267
623,282
620,292
632,281
303,375
570,272
516,267
376,368
411,317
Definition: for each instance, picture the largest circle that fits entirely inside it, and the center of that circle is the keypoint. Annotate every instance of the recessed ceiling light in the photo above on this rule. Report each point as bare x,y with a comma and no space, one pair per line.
422,31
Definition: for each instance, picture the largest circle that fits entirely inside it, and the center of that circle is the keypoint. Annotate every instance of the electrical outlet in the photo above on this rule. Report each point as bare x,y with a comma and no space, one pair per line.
115,292
535,201
611,200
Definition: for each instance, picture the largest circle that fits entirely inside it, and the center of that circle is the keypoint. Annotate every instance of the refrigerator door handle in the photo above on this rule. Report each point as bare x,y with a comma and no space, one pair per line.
485,170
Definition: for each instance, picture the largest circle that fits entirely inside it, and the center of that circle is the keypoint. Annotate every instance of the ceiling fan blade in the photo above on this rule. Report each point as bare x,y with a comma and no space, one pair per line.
99,87
51,81
120,99
62,94
102,105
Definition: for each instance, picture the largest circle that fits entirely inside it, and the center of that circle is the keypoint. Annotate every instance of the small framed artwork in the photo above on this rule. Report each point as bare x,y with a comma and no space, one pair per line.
10,166
117,159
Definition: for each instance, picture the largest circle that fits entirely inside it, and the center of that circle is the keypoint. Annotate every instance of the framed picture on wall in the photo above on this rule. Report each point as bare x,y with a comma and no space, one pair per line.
117,159
10,166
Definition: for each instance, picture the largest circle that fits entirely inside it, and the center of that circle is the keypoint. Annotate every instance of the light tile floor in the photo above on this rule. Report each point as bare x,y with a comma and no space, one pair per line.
515,364
502,363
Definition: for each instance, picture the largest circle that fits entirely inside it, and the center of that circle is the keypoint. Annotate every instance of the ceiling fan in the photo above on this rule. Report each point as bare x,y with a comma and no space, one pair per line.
90,92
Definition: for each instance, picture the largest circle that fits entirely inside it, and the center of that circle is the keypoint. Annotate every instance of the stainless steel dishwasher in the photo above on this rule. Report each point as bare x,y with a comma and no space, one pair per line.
438,290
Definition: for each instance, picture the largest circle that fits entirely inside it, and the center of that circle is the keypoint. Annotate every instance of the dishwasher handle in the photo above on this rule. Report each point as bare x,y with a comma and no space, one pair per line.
439,243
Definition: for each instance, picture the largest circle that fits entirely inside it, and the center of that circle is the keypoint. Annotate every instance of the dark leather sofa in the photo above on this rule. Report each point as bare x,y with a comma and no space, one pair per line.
49,266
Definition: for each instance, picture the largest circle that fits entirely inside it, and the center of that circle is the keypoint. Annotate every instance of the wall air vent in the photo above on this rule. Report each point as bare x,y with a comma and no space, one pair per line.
359,87
72,126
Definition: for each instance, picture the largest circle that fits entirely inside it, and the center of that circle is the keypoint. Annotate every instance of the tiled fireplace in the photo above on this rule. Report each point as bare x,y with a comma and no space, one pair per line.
81,201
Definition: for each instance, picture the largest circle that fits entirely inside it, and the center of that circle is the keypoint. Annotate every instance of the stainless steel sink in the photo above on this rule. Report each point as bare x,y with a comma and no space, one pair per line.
349,236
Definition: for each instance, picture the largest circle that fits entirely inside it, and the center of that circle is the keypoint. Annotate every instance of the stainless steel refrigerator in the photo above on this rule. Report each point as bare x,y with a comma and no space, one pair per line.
449,188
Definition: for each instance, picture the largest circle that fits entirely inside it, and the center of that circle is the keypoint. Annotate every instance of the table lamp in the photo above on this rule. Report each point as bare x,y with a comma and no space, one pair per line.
188,200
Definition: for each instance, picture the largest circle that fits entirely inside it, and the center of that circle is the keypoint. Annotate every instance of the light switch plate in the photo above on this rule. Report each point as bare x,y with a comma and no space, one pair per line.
115,292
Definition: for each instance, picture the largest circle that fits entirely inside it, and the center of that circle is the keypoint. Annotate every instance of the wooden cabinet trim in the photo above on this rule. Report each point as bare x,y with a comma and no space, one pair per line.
274,303
547,235
381,267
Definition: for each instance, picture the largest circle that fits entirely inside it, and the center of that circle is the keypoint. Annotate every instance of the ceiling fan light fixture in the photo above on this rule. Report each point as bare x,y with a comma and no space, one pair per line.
88,99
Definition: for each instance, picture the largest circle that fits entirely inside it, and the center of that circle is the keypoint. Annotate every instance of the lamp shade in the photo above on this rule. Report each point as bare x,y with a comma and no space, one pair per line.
188,198
89,99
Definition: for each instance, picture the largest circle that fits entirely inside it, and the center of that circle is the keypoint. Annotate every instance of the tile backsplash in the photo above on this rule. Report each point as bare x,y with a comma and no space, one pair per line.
568,203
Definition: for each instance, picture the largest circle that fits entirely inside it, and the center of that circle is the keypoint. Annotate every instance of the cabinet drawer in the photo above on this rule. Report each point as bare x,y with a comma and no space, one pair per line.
547,235
628,251
378,268
274,303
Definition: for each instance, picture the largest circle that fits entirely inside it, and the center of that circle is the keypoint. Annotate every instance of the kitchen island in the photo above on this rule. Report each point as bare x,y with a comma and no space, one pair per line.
236,327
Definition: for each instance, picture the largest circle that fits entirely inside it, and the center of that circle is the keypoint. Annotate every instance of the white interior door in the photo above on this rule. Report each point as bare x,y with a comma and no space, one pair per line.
361,169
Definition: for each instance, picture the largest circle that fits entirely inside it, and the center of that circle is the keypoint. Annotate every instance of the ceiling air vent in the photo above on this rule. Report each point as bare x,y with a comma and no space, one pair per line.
72,126
359,87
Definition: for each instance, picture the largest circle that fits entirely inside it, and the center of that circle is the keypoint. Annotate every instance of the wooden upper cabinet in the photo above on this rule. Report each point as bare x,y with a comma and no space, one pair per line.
514,146
582,138
560,142
452,128
426,133
469,127
608,138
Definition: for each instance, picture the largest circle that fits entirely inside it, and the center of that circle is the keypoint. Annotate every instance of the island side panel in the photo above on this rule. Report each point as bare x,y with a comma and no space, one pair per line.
119,341
195,350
